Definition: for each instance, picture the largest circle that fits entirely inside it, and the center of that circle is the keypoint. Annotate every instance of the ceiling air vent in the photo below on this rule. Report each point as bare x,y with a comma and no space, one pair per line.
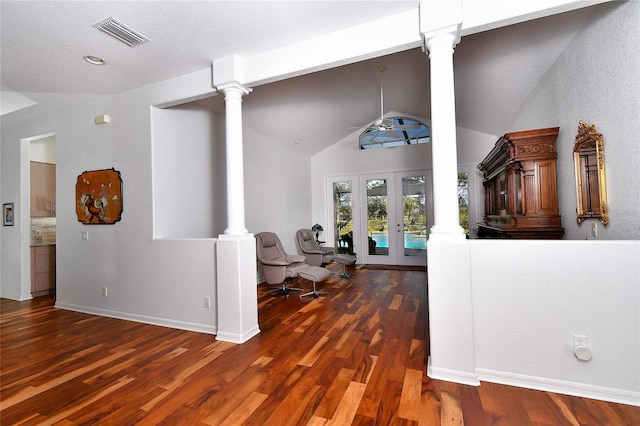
121,32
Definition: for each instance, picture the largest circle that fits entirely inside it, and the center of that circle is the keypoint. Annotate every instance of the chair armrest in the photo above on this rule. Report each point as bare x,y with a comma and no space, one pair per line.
314,251
280,261
291,258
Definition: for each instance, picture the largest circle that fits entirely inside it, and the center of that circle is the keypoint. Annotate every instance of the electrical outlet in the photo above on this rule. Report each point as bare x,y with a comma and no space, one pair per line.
594,229
580,340
104,292
207,302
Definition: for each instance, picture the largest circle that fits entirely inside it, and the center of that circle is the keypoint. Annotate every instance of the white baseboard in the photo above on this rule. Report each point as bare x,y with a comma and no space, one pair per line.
237,338
455,376
163,322
16,296
582,390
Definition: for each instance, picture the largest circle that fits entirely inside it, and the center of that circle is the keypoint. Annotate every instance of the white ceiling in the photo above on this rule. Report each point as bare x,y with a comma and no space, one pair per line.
43,42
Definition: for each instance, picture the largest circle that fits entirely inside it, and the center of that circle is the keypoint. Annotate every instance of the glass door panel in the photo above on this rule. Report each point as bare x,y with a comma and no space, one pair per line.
343,216
377,217
414,217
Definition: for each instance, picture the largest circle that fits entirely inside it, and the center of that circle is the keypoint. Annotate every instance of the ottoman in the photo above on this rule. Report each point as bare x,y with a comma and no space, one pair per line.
314,274
344,259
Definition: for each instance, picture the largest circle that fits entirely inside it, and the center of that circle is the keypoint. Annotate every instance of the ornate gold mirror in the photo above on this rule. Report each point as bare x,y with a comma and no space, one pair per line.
588,155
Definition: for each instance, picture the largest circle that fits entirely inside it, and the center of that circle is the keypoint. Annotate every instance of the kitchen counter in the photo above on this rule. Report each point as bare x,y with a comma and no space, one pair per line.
43,231
42,244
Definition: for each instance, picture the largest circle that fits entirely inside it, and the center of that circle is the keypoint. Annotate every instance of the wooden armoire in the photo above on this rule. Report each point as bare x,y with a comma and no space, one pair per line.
520,189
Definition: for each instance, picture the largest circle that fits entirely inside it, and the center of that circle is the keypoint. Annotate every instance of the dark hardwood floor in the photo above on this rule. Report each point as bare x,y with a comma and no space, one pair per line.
355,356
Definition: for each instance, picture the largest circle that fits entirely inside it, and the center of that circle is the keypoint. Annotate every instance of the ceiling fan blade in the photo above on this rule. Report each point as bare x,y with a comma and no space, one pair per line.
405,126
388,135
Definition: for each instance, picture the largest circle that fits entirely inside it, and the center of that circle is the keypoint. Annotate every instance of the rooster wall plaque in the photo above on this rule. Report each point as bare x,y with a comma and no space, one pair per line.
99,197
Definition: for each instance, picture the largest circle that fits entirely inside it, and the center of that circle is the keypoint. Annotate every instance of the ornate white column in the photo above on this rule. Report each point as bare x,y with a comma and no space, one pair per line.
233,93
452,354
443,139
237,296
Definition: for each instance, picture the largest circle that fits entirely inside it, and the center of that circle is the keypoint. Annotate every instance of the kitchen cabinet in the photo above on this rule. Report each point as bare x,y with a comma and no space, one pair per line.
43,189
43,270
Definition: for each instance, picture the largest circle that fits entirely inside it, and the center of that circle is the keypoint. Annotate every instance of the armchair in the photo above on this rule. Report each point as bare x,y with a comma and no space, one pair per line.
279,267
315,253
318,255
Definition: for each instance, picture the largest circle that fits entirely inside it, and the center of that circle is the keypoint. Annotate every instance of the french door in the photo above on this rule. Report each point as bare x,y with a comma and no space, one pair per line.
384,218
395,217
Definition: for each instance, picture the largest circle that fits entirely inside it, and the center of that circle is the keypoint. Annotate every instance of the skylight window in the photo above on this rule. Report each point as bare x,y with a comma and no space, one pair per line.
394,131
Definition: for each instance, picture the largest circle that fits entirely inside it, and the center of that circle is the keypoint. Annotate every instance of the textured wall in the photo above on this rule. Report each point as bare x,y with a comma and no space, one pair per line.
596,80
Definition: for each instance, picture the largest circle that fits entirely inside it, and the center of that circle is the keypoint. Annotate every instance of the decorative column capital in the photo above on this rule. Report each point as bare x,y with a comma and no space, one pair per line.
445,41
440,18
233,87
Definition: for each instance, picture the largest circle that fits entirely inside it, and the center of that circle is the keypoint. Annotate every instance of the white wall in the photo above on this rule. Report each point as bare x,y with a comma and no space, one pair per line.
596,80
189,195
149,280
277,182
531,297
43,150
527,309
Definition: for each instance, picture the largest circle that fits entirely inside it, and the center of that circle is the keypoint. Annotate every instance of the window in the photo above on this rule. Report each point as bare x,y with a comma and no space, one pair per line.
395,131
463,201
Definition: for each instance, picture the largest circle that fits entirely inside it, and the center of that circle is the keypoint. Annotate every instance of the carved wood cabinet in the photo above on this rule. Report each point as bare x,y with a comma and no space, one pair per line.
520,189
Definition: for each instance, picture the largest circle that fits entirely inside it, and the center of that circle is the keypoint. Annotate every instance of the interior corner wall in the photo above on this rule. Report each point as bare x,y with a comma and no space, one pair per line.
277,181
189,195
596,80
531,297
155,281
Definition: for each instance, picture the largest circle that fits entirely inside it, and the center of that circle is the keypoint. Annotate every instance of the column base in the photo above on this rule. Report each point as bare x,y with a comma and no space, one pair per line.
237,288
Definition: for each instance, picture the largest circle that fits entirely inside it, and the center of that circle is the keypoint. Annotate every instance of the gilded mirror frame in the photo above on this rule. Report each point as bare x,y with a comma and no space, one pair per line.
589,142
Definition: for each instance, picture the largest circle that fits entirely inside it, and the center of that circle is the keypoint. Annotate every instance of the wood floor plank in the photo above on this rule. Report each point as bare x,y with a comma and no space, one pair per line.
429,409
244,410
356,356
31,391
450,410
328,406
347,407
411,395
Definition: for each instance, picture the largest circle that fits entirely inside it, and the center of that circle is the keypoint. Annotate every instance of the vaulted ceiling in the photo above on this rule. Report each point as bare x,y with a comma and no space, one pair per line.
43,43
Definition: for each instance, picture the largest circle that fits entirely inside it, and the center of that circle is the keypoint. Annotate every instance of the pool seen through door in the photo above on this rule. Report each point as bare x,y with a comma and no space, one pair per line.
383,217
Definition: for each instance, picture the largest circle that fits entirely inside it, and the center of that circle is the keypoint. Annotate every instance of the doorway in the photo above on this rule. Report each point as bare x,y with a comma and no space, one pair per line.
396,217
37,217
384,218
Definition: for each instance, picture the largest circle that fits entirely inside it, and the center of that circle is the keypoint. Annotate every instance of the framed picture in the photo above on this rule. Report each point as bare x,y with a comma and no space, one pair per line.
7,214
99,197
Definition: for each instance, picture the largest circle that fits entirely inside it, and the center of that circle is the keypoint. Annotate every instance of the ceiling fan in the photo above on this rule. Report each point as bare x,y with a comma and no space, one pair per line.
387,128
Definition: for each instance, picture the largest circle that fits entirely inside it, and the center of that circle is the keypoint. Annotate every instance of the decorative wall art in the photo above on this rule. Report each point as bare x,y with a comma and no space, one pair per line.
99,197
7,214
591,191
